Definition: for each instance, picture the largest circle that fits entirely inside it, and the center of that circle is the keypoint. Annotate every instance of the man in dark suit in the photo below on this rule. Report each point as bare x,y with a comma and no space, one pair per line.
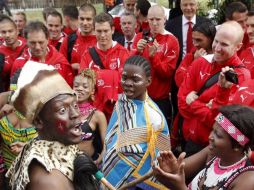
179,25
179,28
128,24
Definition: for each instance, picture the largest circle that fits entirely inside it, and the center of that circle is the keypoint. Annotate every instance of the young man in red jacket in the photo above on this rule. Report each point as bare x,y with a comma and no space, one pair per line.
39,50
11,48
247,55
196,108
82,39
113,57
54,23
163,53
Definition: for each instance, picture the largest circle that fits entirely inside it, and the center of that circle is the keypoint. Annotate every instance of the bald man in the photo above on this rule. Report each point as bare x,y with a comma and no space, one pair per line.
163,53
198,108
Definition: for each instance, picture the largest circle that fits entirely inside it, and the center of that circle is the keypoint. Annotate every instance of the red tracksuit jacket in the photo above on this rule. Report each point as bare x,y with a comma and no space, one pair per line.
247,57
82,43
10,56
198,118
163,64
53,57
108,79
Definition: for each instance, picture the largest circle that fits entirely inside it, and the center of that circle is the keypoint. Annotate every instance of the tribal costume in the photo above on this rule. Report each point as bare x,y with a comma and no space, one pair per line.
10,135
137,131
50,154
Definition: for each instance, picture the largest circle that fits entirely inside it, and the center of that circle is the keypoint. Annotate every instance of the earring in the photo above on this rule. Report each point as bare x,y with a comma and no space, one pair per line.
236,149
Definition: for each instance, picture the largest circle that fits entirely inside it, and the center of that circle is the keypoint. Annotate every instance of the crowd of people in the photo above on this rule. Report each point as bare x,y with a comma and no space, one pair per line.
152,102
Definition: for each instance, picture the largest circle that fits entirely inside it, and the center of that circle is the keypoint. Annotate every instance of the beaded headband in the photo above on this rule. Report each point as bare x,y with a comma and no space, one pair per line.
231,129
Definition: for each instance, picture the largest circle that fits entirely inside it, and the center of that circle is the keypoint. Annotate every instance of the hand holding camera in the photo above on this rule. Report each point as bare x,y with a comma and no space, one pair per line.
146,36
231,76
227,77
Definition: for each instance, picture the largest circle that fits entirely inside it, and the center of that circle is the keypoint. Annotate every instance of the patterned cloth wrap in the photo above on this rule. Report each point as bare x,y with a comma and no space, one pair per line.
137,131
50,154
10,135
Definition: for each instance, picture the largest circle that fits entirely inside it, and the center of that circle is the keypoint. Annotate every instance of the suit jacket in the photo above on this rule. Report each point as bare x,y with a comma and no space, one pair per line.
175,27
120,39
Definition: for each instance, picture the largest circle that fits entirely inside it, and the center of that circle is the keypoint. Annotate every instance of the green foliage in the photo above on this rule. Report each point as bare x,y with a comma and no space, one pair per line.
220,16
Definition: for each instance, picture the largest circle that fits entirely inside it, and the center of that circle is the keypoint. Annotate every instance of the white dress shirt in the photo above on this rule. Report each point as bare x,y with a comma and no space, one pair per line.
185,27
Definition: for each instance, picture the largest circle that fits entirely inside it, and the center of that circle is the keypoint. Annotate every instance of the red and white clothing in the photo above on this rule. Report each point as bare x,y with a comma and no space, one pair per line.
247,57
82,43
141,26
244,94
57,43
163,64
181,71
68,30
198,117
108,79
53,58
219,177
246,44
10,55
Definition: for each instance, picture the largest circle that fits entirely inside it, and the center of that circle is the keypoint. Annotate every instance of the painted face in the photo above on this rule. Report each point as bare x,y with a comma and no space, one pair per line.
129,5
134,82
241,18
201,41
9,33
83,87
189,8
250,29
37,42
19,21
128,25
224,45
219,141
85,20
61,120
156,19
104,32
54,26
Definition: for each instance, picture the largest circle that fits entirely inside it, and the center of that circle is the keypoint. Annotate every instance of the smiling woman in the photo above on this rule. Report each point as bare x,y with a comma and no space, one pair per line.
223,164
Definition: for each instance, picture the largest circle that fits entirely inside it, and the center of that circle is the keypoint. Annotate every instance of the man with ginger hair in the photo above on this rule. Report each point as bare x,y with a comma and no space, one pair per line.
198,109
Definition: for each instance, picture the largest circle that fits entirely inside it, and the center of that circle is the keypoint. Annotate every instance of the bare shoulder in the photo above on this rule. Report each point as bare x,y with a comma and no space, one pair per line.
99,115
244,181
41,179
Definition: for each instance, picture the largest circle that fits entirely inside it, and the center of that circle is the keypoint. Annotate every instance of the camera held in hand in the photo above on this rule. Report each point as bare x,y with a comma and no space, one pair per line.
231,76
147,37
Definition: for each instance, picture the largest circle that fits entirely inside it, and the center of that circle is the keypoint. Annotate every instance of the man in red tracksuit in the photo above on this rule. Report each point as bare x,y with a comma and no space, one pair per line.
38,50
54,23
84,37
163,53
11,48
112,56
247,55
196,109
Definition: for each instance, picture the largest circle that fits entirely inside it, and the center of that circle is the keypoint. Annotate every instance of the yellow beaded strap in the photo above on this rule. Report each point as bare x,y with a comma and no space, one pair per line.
19,115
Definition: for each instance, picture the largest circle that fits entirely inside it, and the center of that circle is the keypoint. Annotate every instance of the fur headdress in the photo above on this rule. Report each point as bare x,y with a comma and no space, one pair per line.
37,84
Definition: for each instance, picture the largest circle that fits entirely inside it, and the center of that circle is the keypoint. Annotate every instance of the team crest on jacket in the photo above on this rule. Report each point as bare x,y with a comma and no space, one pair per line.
113,64
100,82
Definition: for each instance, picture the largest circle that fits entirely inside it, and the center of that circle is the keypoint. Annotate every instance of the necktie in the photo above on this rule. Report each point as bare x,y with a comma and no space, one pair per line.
189,37
129,46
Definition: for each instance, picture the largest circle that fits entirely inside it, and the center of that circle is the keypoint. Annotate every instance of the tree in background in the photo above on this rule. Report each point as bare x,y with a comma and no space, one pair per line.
220,16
